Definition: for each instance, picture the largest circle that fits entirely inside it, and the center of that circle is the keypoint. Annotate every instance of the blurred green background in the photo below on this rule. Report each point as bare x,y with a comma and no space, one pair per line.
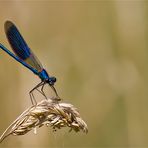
98,50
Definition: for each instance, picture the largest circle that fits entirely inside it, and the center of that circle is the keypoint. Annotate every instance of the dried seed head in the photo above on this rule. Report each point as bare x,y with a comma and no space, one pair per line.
54,114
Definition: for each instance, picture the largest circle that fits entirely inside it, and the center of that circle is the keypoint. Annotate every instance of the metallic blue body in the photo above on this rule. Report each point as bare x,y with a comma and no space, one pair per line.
18,59
23,53
44,77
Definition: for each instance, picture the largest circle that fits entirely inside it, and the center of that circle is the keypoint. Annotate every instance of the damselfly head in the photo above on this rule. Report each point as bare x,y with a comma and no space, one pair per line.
52,80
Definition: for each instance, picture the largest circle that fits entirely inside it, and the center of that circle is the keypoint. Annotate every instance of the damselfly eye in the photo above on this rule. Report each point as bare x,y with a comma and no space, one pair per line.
52,80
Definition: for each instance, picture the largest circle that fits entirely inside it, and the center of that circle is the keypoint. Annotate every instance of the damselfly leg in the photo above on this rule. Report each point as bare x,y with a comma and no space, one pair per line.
33,100
42,84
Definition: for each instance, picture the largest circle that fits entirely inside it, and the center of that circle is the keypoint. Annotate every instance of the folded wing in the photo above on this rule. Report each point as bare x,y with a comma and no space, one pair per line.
20,47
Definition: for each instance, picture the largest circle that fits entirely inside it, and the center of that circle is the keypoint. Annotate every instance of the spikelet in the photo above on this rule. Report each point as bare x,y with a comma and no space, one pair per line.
49,113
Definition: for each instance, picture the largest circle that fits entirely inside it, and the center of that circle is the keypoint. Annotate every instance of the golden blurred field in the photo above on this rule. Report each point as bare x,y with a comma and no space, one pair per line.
98,50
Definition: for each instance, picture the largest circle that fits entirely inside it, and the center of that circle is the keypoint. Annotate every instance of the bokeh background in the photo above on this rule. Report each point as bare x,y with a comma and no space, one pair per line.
98,50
